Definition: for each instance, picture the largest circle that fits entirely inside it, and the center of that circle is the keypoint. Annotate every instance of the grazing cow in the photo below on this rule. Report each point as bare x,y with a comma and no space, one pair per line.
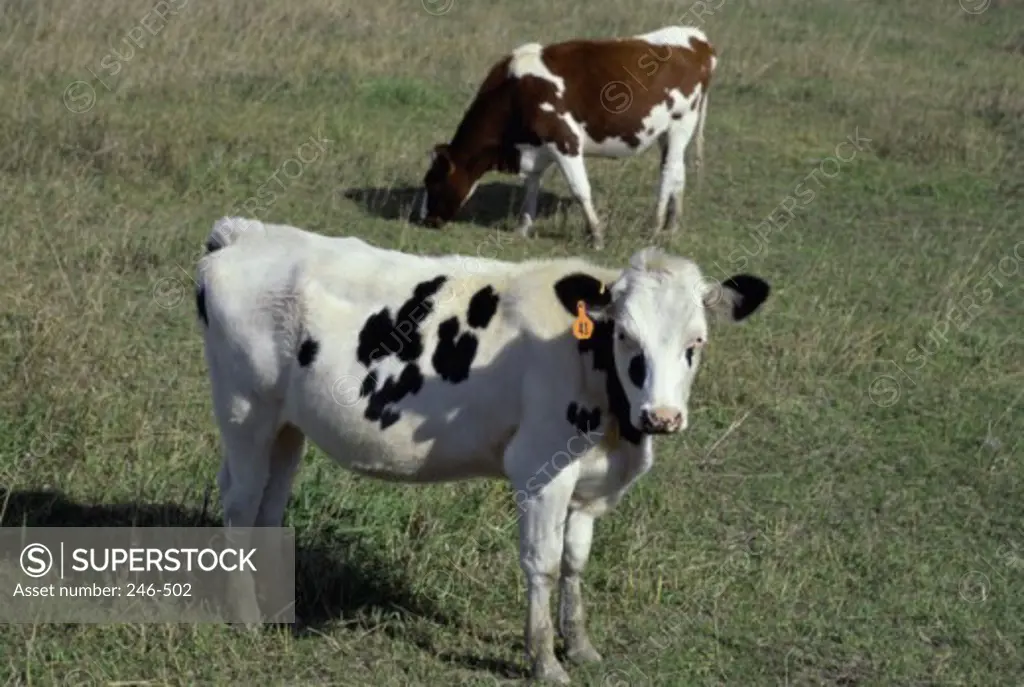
560,102
450,368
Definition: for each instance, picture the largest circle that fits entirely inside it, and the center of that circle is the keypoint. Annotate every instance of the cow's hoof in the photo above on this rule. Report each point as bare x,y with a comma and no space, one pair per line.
551,672
584,653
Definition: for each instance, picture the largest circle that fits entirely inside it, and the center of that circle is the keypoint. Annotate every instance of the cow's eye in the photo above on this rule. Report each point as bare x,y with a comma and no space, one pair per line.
627,341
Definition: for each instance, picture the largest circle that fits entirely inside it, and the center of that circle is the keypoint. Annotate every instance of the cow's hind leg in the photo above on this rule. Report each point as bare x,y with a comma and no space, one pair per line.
248,431
285,455
579,532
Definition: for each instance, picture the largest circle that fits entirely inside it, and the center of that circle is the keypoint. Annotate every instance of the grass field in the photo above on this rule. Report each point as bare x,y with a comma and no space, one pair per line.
846,507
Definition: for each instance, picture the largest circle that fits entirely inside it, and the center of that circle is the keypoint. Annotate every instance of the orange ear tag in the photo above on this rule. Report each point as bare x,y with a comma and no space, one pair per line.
583,327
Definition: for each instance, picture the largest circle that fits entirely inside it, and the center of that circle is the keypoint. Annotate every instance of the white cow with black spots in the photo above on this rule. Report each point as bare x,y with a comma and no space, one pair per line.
425,369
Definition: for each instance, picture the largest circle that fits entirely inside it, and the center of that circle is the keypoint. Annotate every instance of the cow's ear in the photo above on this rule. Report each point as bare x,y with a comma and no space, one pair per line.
736,298
578,287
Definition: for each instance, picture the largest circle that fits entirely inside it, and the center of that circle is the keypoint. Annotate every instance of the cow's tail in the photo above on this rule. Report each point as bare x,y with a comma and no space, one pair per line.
698,157
226,231
698,153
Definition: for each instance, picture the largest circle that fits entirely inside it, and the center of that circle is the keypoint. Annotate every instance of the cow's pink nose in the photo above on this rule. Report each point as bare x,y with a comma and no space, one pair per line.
661,420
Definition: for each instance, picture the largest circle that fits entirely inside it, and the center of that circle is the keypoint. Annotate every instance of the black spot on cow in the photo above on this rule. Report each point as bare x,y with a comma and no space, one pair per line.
201,304
454,353
577,287
482,307
689,356
677,115
409,382
381,336
638,370
375,331
582,419
600,346
368,386
307,351
212,246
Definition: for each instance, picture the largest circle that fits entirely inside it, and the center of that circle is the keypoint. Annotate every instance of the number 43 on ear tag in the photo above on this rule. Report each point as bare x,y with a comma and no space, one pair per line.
583,327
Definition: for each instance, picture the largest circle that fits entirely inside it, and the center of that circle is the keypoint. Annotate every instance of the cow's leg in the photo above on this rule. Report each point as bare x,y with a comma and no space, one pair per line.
662,202
673,180
532,187
542,494
248,429
575,173
540,549
285,456
242,479
579,532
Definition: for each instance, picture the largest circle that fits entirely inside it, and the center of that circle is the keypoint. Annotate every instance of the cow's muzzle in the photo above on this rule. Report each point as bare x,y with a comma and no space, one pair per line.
662,421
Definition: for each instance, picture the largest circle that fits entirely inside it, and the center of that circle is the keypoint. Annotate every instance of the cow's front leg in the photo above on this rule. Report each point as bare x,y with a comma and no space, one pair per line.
575,173
540,550
579,532
532,166
528,212
543,489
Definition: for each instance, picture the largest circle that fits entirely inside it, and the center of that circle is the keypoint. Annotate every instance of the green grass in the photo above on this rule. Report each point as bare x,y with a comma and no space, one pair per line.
829,518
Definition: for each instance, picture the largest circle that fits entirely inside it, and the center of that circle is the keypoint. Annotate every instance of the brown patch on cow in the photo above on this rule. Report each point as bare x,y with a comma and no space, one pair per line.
611,85
649,72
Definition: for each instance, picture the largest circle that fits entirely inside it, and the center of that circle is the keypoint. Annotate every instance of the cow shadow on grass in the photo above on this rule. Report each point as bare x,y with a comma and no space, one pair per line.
340,579
492,204
336,579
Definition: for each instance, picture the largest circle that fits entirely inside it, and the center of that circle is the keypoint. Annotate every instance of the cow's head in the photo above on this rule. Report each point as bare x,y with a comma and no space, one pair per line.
656,316
446,188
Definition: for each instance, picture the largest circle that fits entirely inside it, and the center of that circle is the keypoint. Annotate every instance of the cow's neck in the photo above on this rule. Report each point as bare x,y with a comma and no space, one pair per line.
478,142
475,159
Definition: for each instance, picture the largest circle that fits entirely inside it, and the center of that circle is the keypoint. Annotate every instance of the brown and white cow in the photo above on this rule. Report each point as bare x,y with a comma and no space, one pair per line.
609,98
